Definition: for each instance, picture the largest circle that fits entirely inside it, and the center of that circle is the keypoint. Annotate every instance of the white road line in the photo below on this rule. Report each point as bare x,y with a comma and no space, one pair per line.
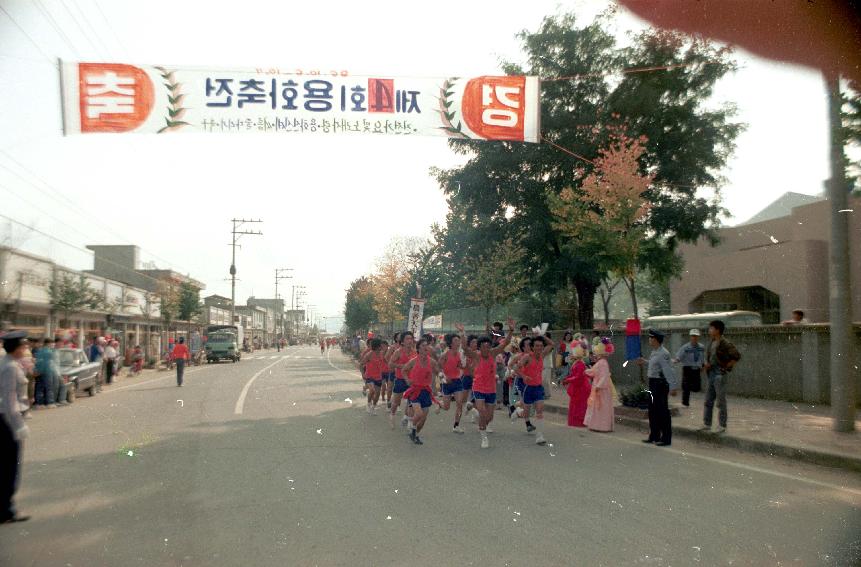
751,468
240,403
329,360
273,357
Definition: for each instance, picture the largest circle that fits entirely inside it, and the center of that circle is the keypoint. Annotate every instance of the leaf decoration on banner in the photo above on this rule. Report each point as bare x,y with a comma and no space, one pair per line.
448,115
175,110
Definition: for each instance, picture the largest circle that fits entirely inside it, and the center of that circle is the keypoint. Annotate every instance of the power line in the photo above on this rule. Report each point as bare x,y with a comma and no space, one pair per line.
93,28
111,28
78,25
41,7
75,207
52,60
76,247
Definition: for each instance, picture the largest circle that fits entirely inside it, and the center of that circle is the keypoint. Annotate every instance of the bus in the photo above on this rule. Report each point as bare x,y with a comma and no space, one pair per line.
702,320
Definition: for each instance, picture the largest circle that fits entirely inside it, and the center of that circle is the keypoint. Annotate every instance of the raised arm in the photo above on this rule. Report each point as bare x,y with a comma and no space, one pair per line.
504,342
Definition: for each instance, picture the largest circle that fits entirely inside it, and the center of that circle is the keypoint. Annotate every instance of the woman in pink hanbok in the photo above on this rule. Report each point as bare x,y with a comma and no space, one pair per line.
579,386
599,412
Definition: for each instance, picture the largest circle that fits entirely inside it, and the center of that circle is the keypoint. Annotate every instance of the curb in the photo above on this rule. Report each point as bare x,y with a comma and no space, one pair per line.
812,456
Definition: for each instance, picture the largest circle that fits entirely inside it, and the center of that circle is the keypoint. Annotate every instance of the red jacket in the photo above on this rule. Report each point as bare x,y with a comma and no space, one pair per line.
180,351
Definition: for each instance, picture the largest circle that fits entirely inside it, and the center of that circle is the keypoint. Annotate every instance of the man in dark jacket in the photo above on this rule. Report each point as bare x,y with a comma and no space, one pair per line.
721,358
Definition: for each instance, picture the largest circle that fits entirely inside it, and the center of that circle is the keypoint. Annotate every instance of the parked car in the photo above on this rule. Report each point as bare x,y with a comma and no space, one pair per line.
76,368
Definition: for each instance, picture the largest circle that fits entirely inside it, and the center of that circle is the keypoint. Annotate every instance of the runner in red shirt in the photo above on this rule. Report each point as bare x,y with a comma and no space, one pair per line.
373,362
452,361
180,355
421,370
397,359
484,383
388,375
529,367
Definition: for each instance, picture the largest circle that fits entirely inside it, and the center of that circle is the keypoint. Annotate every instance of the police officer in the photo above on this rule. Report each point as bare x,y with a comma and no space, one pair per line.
12,428
662,381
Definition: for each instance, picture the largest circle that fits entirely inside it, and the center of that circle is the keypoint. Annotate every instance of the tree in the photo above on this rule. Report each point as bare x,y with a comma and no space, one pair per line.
359,305
656,291
69,295
503,186
496,277
167,293
188,302
609,212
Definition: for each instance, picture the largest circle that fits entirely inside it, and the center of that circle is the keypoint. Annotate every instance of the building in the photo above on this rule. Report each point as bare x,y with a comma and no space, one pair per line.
276,322
122,263
127,313
257,317
772,264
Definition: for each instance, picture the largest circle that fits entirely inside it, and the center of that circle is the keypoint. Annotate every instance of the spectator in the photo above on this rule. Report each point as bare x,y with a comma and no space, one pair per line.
662,381
692,358
180,355
111,355
48,370
797,318
722,357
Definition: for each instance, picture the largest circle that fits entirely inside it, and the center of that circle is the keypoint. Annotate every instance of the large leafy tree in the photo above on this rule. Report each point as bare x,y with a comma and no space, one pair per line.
503,187
188,305
497,276
359,309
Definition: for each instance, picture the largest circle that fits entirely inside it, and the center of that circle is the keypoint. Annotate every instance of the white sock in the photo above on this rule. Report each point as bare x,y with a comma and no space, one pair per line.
483,433
539,424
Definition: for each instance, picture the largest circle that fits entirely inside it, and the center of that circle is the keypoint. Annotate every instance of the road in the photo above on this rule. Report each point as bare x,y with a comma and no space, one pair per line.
266,462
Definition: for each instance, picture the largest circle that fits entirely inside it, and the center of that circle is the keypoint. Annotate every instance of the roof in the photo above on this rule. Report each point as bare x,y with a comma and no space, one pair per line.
782,207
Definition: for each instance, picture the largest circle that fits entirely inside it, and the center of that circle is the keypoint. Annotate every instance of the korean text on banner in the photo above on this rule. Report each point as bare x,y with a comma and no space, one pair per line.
417,311
117,98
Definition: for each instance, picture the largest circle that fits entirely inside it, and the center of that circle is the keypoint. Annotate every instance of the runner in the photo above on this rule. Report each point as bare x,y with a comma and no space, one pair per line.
468,373
484,386
420,369
373,362
388,375
515,410
399,357
452,387
530,367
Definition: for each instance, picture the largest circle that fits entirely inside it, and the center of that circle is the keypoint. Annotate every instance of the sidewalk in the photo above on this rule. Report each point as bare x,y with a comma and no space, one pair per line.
783,429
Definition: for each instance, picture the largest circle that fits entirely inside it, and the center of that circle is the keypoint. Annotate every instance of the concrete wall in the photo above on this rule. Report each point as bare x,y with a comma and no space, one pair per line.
778,363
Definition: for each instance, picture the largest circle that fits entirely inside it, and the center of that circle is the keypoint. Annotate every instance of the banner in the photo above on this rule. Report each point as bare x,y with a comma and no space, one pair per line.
433,323
115,98
633,348
417,310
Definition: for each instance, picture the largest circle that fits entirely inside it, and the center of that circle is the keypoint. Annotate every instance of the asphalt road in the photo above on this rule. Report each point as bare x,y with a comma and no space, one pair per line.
266,462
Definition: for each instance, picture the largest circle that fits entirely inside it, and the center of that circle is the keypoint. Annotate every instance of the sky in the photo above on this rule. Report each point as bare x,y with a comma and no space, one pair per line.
329,206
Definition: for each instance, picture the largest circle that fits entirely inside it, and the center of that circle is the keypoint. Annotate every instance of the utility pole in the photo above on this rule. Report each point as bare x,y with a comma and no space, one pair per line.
294,302
237,234
840,289
279,325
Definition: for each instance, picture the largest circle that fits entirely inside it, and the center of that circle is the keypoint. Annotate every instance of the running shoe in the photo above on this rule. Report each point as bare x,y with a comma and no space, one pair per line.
417,441
539,440
368,408
413,435
374,410
489,429
458,429
404,421
485,442
530,428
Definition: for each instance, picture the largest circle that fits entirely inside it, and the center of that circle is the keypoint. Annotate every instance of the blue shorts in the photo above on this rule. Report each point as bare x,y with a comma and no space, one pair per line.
519,385
467,382
400,386
423,399
488,398
533,394
376,383
389,376
452,387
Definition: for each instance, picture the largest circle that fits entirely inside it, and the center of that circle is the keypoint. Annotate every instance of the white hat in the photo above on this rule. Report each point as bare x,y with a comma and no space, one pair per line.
694,332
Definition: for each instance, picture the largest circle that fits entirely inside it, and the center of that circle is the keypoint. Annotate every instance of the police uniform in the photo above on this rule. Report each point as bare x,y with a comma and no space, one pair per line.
662,379
12,427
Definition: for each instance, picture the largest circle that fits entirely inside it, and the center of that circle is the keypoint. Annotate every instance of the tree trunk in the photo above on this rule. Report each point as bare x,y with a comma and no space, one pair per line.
586,303
605,300
631,284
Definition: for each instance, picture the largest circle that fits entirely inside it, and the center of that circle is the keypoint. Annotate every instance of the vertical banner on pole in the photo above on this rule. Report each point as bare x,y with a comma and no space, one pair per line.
417,311
633,350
